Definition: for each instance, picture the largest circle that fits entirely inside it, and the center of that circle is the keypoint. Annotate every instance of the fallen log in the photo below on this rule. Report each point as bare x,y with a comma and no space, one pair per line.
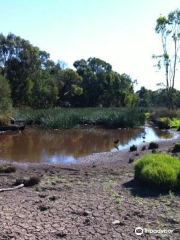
11,189
12,128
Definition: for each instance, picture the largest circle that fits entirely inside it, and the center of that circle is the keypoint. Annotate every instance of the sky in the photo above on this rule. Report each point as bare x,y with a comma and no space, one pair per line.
120,32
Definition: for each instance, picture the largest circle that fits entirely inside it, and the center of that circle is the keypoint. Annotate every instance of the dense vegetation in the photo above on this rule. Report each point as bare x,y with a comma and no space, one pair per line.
29,78
164,118
70,118
158,171
37,81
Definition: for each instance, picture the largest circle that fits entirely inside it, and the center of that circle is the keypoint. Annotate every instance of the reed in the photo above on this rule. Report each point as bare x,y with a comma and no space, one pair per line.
58,118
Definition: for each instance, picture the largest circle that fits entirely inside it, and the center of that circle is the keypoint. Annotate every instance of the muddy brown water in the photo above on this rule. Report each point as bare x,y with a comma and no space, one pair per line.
62,146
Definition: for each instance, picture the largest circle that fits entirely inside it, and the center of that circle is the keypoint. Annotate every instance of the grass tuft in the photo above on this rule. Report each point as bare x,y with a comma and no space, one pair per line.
158,171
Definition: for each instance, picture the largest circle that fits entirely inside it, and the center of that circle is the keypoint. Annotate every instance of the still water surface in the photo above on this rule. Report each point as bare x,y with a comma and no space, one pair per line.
50,146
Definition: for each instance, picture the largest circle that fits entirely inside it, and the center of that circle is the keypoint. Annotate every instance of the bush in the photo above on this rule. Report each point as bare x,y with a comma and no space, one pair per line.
175,122
163,123
156,114
158,171
5,96
176,148
153,145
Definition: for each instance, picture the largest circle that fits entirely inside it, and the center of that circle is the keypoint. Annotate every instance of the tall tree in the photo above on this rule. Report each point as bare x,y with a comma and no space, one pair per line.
103,86
69,85
169,30
22,65
5,95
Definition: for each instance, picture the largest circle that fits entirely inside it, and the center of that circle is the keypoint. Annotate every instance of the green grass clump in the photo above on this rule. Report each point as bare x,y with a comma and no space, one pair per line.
165,118
175,122
4,119
158,171
163,123
72,117
176,148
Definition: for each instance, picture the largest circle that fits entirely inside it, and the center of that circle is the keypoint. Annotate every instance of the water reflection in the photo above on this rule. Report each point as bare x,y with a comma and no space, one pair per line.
38,145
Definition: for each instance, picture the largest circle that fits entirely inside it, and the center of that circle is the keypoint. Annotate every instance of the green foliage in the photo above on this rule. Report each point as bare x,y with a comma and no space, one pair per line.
175,122
69,87
102,86
45,92
160,98
168,28
165,118
5,99
163,123
158,171
38,82
68,118
163,113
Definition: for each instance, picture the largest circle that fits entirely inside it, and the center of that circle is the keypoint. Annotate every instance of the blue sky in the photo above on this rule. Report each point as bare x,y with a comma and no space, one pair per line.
121,32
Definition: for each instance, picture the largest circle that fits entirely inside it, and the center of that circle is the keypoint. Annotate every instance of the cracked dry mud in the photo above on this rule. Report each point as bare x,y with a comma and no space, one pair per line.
86,201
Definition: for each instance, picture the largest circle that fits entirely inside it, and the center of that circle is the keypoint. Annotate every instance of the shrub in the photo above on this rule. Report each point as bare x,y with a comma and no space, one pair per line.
175,122
7,168
5,95
163,123
176,148
158,171
153,145
165,118
155,114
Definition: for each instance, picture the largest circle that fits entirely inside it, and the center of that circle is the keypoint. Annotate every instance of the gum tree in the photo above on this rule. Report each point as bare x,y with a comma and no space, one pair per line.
169,30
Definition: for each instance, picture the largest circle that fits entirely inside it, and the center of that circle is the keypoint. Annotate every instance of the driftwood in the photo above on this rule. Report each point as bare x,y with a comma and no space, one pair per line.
12,128
11,189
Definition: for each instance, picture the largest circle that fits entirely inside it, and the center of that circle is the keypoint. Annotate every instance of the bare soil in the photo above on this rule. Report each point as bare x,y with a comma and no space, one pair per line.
96,198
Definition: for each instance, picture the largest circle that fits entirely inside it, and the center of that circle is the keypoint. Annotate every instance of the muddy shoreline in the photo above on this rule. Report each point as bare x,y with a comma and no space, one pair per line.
94,198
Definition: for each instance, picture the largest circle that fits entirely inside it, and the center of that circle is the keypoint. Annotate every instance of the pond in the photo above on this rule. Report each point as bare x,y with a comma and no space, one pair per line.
62,146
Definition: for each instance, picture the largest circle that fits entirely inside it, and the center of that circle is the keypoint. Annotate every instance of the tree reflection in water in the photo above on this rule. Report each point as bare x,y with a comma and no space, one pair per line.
39,145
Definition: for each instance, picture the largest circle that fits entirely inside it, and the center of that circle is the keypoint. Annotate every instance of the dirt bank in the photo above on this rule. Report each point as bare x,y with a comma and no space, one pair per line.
96,198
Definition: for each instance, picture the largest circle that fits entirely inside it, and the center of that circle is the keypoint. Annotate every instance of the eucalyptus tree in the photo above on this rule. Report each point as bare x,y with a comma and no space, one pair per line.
25,67
103,86
169,30
5,96
69,85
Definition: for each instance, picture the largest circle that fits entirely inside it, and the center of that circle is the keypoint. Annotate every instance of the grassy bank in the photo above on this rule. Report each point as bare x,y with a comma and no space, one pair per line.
165,118
58,118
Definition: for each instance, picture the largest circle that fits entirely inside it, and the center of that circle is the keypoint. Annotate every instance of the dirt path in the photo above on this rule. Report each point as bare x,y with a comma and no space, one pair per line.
94,199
